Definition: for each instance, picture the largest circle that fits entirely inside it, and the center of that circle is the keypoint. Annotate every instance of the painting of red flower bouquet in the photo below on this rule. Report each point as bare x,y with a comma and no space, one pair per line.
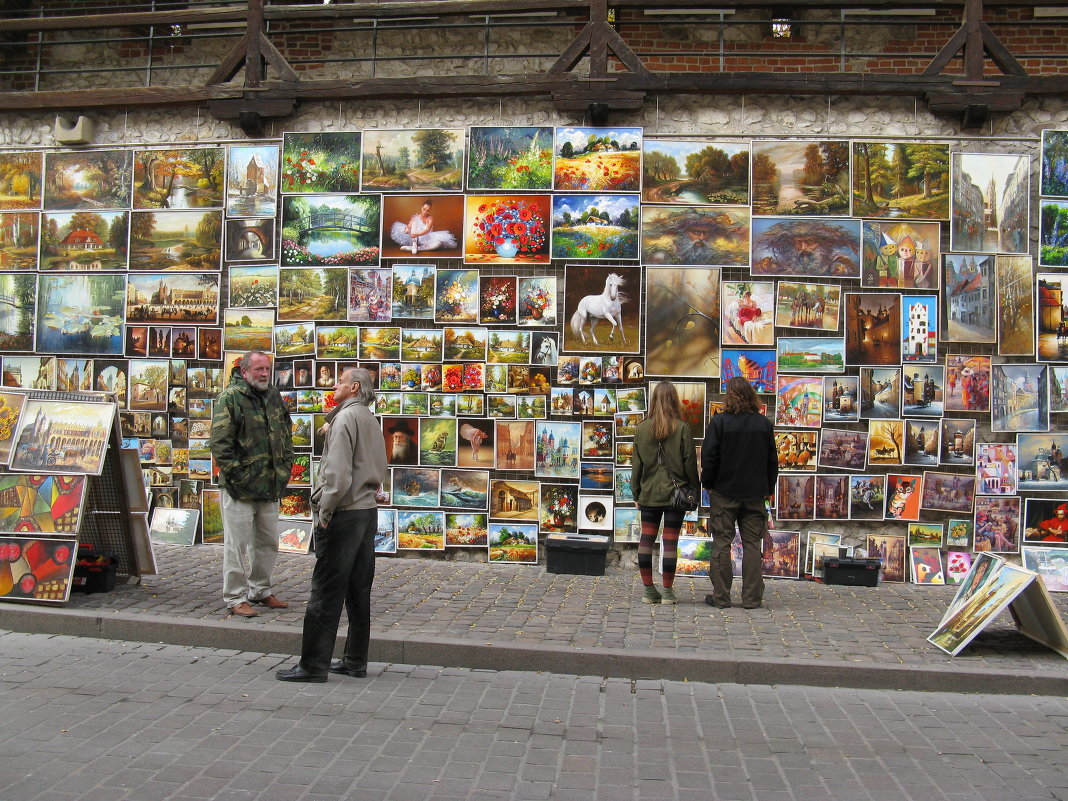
507,229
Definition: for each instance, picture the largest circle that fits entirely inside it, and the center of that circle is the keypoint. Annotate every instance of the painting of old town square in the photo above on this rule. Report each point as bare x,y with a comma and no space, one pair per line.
165,298
63,436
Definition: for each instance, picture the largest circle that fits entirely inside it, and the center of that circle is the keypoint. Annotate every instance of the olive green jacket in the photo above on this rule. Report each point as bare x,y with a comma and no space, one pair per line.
251,441
650,481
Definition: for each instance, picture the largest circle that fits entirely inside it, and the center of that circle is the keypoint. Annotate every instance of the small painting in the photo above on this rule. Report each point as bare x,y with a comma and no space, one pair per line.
310,293
797,450
889,549
558,509
997,525
799,401
420,531
80,313
832,497
456,296
537,301
323,161
873,328
19,311
1019,396
464,529
695,171
755,366
45,567
413,291
10,409
903,497
901,255
178,178
88,179
958,442
627,525
437,442
795,497
1051,564
996,468
416,486
507,229
18,237
601,305
84,240
682,324
867,495
557,452
948,492
925,535
253,287
20,180
1052,317
926,563
165,298
716,236
843,449
294,536
248,329
295,504
510,158
921,443
810,247
595,512
990,202
903,180
250,240
330,230
1052,243
595,227
1045,521
801,177
251,180
465,489
1043,465
1016,306
1054,166
782,554
922,390
514,500
969,296
420,224
885,442
748,309
498,299
802,305
597,159
515,444
386,531
811,354
408,160
967,383
840,399
513,542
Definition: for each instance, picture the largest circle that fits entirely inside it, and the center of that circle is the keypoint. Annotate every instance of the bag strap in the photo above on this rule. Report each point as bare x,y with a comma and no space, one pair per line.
675,481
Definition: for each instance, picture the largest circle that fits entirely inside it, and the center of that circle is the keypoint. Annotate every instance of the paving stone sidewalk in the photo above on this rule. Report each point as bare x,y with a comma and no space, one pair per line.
530,618
96,720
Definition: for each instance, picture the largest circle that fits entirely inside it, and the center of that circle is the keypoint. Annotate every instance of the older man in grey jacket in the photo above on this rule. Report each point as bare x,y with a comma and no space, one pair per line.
345,503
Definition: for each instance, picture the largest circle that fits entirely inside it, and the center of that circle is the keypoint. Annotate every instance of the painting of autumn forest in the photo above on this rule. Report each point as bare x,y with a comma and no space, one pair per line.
903,180
695,172
185,178
20,180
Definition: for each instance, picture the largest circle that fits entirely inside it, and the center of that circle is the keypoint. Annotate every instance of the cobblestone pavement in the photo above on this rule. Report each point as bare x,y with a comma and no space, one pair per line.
524,605
103,720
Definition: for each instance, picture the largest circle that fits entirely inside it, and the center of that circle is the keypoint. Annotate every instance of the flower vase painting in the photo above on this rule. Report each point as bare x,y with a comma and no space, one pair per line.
537,300
507,229
456,296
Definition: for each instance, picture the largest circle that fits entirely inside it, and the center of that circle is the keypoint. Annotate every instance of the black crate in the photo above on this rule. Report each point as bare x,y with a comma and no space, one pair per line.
94,571
851,572
576,554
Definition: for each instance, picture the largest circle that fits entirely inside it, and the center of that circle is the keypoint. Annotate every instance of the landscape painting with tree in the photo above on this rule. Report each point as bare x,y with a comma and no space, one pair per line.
324,161
595,227
424,160
800,177
91,179
18,240
313,294
17,316
1053,233
510,158
20,180
84,240
253,287
597,159
330,230
178,178
252,180
682,326
709,235
695,171
175,240
80,313
903,180
1054,166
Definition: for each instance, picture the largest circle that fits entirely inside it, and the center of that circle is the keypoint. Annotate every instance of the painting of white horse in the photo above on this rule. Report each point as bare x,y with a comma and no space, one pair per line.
602,317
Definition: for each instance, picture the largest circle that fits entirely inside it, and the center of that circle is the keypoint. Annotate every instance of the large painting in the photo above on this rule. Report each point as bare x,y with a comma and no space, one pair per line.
84,240
308,293
37,570
595,227
80,313
422,160
41,504
990,203
175,240
800,177
178,178
62,436
422,224
1015,305
695,235
325,161
597,159
809,247
252,180
507,229
901,254
902,180
89,179
330,230
695,171
969,298
601,309
166,298
682,322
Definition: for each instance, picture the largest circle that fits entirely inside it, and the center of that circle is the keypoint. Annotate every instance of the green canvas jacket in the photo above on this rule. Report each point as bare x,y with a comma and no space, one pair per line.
650,482
251,441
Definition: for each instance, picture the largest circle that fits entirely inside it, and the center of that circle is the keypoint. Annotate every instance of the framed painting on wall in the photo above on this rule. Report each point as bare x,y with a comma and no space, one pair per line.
1042,463
41,504
922,390
463,529
816,247
456,296
18,239
948,492
313,293
695,171
867,495
832,497
810,354
795,497
251,180
89,179
841,395
901,255
513,542
331,230
682,325
414,224
989,209
409,160
386,531
21,188
249,239
1054,164
1016,306
323,161
597,159
150,298
178,178
1019,395
253,287
997,525
799,400
957,441
1052,246
175,240
886,442
595,227
796,450
967,383
756,366
800,177
1052,328
498,299
17,319
748,310
420,531
714,236
601,305
804,305
466,489
903,497
903,180
507,158
84,240
507,229
873,328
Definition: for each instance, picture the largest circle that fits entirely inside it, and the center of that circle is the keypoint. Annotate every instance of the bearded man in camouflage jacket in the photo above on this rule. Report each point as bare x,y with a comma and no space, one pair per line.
252,443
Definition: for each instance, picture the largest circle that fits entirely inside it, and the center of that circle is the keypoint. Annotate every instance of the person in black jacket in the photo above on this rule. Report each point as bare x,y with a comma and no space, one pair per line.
739,466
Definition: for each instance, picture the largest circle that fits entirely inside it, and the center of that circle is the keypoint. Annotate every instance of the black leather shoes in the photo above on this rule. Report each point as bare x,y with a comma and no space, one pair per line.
711,602
338,666
298,674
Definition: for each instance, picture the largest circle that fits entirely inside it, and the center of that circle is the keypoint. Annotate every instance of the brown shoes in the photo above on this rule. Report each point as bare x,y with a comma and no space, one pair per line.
243,609
272,602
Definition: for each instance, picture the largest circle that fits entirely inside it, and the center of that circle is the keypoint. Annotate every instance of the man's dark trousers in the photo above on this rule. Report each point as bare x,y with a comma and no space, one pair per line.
343,574
751,517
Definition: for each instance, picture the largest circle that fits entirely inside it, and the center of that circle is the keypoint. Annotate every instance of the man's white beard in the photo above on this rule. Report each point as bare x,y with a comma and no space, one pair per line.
260,385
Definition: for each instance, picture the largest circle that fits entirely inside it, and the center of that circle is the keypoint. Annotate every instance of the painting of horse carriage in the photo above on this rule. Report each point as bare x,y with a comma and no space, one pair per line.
602,309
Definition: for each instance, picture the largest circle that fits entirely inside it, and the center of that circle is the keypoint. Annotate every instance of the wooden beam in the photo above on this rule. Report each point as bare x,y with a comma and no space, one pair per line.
231,63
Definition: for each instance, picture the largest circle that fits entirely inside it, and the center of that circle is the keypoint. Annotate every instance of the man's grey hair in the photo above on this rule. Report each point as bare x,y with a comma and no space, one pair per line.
366,395
246,360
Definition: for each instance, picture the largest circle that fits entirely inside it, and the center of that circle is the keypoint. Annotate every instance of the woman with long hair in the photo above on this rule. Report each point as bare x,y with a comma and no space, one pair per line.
739,466
664,454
